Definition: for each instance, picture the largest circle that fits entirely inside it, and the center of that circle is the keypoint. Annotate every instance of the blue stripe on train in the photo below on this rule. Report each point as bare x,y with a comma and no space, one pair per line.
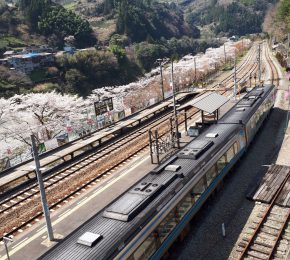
176,231
180,226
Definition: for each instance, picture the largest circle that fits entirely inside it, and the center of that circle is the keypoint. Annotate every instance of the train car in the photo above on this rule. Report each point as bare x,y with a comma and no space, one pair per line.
145,220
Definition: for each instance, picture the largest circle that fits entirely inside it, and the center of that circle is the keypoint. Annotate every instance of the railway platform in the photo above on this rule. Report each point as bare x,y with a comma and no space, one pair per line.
32,243
86,143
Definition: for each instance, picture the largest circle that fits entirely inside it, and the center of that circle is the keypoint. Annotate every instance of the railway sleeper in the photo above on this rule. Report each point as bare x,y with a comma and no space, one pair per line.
272,232
252,227
286,237
271,226
257,222
242,244
257,255
283,247
263,244
279,256
266,236
284,241
275,219
246,239
261,249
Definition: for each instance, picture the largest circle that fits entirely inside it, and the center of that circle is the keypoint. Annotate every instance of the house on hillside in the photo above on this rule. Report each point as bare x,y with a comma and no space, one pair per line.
69,50
28,62
4,62
7,54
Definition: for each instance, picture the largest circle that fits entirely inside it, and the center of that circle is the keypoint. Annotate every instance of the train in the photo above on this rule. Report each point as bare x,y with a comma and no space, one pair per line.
145,220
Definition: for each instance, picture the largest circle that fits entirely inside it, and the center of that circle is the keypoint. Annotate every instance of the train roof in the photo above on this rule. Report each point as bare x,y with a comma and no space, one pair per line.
117,224
245,108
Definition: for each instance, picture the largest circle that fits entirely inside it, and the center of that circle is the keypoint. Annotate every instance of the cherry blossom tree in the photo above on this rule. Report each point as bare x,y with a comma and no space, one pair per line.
49,114
42,115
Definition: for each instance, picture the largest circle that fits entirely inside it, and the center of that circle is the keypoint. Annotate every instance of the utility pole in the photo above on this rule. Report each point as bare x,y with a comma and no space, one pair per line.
42,190
288,110
194,70
174,107
161,75
242,46
225,53
259,63
288,45
235,76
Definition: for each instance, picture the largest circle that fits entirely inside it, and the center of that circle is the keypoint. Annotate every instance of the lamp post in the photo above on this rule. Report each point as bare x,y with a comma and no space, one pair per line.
288,111
161,75
259,62
225,54
235,76
174,107
6,240
194,69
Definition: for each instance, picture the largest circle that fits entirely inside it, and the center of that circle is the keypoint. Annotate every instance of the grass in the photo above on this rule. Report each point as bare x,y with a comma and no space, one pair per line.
4,85
7,89
103,28
102,23
44,87
10,41
70,6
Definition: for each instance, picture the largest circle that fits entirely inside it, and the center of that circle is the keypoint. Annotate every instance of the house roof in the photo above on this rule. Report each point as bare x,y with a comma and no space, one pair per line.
8,52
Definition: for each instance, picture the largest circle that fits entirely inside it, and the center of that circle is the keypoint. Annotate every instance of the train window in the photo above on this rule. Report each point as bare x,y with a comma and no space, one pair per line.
230,154
167,225
211,174
184,206
198,189
221,163
148,247
236,149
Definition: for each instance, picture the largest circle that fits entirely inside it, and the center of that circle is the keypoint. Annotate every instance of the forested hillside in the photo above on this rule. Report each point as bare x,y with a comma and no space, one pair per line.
50,19
128,35
231,17
277,20
143,20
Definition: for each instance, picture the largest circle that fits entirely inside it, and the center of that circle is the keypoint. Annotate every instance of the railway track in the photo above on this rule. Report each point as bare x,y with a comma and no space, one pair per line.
269,236
267,231
54,181
274,72
133,133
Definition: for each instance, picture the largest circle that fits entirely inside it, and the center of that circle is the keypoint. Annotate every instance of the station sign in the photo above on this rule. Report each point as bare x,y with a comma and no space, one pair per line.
103,106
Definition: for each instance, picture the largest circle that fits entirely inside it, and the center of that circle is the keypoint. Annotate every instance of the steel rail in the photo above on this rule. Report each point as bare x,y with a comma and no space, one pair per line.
262,220
99,176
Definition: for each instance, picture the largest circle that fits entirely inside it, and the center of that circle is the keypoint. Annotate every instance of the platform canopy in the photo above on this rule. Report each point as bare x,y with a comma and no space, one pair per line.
208,102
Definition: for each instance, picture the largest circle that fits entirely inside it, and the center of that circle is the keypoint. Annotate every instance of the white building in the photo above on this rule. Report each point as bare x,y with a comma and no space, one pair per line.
30,61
